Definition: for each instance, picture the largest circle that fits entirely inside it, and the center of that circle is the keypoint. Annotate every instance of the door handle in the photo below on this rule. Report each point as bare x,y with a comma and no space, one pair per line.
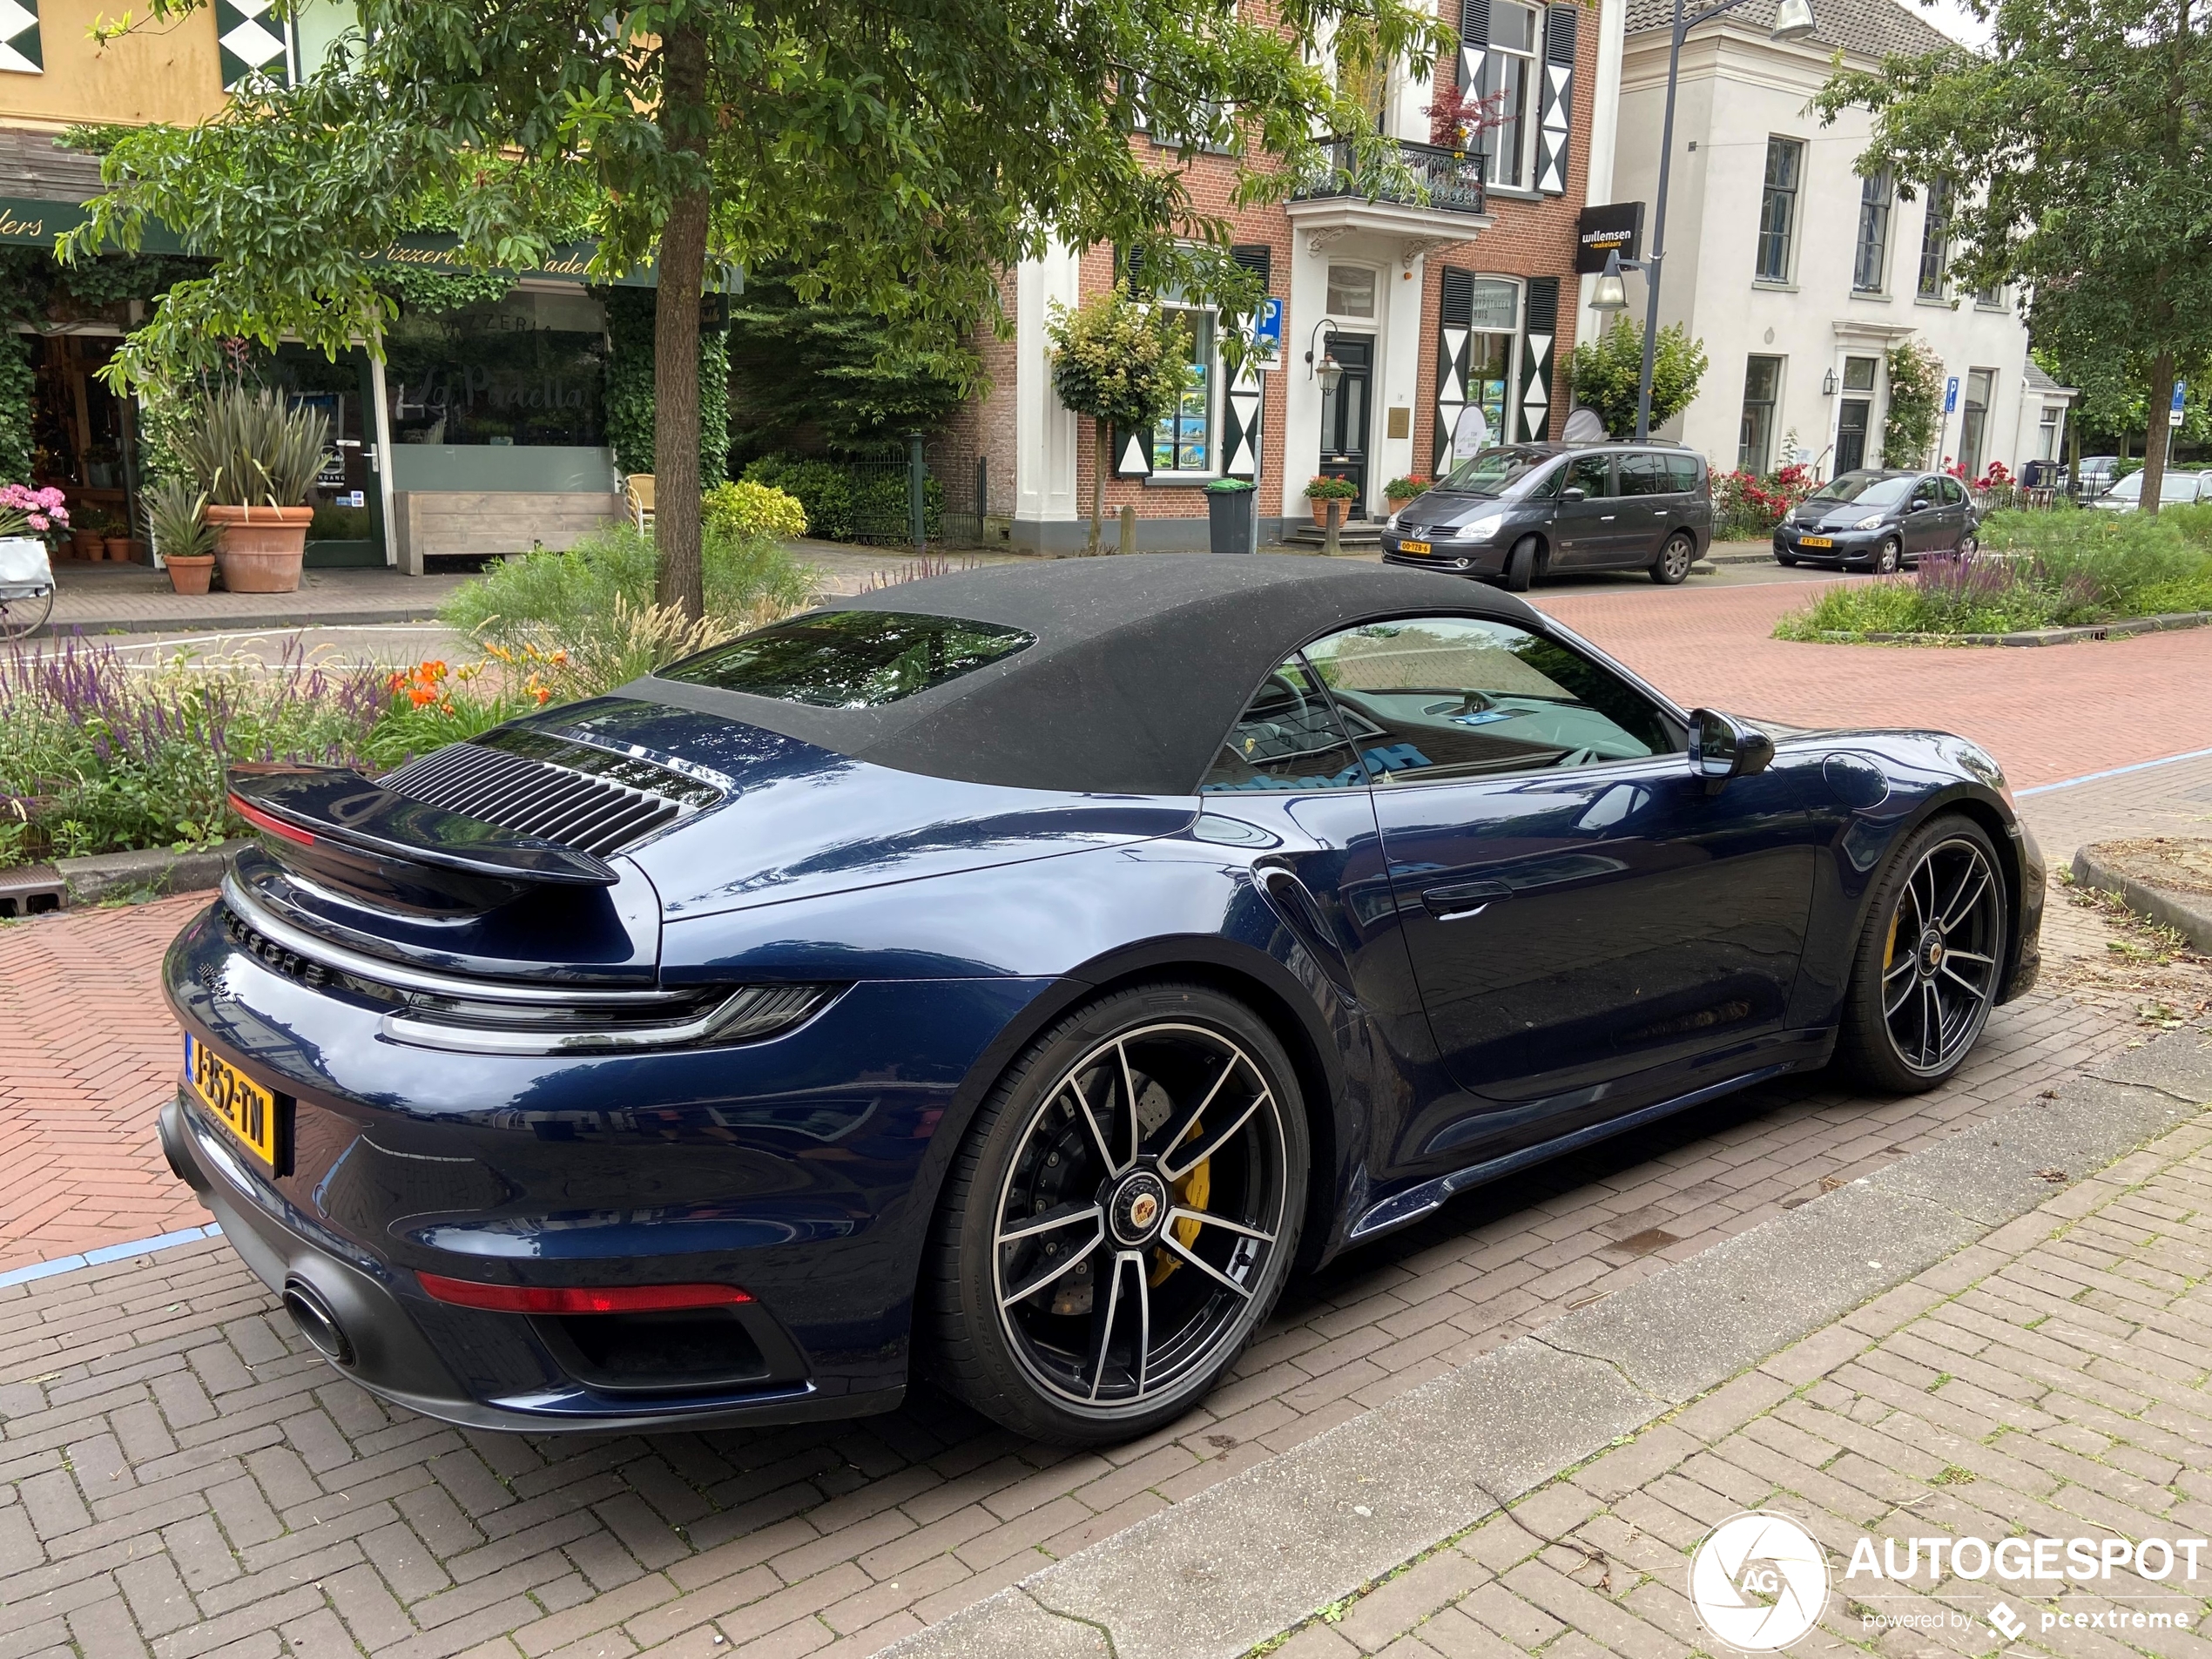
1605,518
1462,899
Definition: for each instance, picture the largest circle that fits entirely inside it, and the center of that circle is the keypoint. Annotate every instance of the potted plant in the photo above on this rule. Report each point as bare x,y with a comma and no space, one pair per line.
88,535
255,461
177,520
25,515
1399,492
1324,489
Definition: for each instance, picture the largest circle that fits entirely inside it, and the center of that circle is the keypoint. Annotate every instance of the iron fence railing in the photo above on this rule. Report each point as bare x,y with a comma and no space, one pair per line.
1434,176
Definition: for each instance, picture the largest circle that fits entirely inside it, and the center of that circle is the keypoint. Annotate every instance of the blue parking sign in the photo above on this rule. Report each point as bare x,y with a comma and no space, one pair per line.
1951,396
1267,333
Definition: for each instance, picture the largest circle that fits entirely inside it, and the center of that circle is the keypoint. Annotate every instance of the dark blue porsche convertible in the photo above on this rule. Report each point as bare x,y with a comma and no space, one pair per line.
1014,976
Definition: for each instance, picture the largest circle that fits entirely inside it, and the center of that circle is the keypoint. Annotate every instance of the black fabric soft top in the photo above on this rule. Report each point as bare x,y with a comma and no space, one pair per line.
1141,664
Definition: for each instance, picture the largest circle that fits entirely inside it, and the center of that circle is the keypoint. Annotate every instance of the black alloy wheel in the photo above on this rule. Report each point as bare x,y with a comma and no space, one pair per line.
1887,557
1121,1217
1520,566
1929,965
1674,559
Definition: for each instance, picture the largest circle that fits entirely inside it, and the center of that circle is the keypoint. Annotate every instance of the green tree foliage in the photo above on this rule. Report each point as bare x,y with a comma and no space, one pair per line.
1606,371
1916,400
808,373
2080,138
1123,362
900,160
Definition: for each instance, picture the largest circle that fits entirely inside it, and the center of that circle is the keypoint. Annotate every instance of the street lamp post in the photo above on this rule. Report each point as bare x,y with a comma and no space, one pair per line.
1792,21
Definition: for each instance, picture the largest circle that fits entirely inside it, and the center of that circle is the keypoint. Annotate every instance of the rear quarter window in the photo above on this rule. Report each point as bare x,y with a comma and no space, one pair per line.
851,659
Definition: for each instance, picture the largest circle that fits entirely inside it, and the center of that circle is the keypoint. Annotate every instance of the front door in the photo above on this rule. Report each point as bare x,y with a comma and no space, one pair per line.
349,528
1589,929
1586,530
1851,434
1344,417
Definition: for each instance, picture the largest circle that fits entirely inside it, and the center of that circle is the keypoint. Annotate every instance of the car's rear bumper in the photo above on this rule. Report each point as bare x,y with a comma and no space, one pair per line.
379,1315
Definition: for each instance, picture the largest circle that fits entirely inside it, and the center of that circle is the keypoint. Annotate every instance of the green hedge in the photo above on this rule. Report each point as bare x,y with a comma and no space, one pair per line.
853,500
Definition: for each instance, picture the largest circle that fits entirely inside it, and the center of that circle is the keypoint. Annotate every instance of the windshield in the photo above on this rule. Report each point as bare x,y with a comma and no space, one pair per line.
851,659
1495,472
1868,488
2176,485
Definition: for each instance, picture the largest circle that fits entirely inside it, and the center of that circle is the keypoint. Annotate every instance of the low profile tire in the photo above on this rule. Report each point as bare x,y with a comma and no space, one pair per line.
1674,559
1887,557
1788,560
1520,566
1926,973
1120,1218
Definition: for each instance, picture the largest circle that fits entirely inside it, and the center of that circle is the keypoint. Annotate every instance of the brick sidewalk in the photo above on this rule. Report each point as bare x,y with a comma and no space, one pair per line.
2049,1381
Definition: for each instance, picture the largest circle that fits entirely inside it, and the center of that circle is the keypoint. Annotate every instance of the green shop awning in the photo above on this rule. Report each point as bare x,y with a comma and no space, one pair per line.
32,222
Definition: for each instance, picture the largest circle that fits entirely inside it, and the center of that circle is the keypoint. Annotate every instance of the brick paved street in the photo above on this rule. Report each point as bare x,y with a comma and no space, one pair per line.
176,1466
2049,1381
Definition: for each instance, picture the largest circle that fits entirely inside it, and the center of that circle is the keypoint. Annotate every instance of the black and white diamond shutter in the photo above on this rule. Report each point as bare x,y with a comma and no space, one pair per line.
253,41
1455,321
19,49
1555,127
1240,416
1538,348
1132,451
1474,42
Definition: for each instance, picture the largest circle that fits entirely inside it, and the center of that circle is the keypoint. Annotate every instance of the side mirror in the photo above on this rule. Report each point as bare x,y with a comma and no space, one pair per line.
1572,492
1919,503
1721,747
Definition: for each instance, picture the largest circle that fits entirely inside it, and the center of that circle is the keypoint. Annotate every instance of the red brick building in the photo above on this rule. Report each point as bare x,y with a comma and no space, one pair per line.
1454,314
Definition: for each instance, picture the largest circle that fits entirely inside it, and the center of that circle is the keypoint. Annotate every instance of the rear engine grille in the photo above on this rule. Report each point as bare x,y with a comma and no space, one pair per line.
535,783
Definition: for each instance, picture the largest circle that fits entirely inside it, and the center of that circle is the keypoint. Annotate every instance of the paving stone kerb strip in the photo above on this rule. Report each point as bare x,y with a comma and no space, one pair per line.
2034,636
2188,914
1253,1556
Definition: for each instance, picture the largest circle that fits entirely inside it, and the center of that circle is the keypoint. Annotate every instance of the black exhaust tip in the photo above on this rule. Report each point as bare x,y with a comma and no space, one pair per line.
318,1321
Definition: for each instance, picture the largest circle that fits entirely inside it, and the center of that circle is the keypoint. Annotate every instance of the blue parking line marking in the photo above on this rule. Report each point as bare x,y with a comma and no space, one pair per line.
2116,772
109,1253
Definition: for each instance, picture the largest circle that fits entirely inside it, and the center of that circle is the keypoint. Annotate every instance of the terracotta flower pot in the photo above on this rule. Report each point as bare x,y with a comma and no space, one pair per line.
1399,504
86,544
190,575
121,549
260,550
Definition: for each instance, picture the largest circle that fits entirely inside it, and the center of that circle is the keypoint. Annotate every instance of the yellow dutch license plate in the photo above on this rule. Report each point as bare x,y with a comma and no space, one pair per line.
1412,547
1816,541
241,1105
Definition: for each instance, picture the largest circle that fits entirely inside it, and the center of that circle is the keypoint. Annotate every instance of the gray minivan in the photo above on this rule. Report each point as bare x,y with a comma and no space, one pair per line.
1518,510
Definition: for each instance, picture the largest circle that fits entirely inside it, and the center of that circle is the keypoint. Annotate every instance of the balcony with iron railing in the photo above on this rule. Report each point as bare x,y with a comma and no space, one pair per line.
1447,181
1434,199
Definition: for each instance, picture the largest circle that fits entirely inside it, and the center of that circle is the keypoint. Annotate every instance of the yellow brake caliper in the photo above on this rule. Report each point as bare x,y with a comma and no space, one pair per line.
1191,1193
1889,951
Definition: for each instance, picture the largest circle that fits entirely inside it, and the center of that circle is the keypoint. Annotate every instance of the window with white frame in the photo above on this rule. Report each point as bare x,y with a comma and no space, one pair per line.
2047,433
1352,291
1507,89
1935,241
1786,160
1871,260
1183,439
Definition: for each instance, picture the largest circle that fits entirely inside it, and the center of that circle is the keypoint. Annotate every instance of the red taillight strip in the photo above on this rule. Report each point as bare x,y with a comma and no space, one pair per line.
274,826
612,1298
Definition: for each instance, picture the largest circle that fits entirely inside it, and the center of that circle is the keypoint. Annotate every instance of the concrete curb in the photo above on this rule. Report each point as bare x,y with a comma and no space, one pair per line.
2188,914
256,622
114,875
2035,635
1253,1556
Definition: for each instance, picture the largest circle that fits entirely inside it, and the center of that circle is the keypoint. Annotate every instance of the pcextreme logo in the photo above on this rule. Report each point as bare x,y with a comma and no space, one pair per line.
1759,1581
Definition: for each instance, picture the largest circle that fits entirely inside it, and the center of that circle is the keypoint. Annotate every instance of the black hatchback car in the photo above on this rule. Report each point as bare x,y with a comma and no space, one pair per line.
1518,511
1881,520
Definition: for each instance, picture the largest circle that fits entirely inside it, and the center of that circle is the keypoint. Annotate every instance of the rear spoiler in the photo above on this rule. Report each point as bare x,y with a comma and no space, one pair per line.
333,824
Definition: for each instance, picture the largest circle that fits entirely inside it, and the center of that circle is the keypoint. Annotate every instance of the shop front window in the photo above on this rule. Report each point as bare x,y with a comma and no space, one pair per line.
1183,440
529,369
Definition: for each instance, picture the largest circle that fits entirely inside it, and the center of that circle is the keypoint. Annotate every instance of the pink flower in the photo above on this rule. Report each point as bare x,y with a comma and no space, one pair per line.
38,521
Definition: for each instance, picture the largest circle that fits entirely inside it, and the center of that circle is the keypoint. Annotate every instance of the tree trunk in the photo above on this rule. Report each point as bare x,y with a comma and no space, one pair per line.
1098,483
679,579
2162,393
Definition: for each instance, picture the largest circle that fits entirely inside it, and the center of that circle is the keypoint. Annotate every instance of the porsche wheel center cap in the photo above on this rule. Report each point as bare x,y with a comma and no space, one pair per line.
1931,951
1136,1207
